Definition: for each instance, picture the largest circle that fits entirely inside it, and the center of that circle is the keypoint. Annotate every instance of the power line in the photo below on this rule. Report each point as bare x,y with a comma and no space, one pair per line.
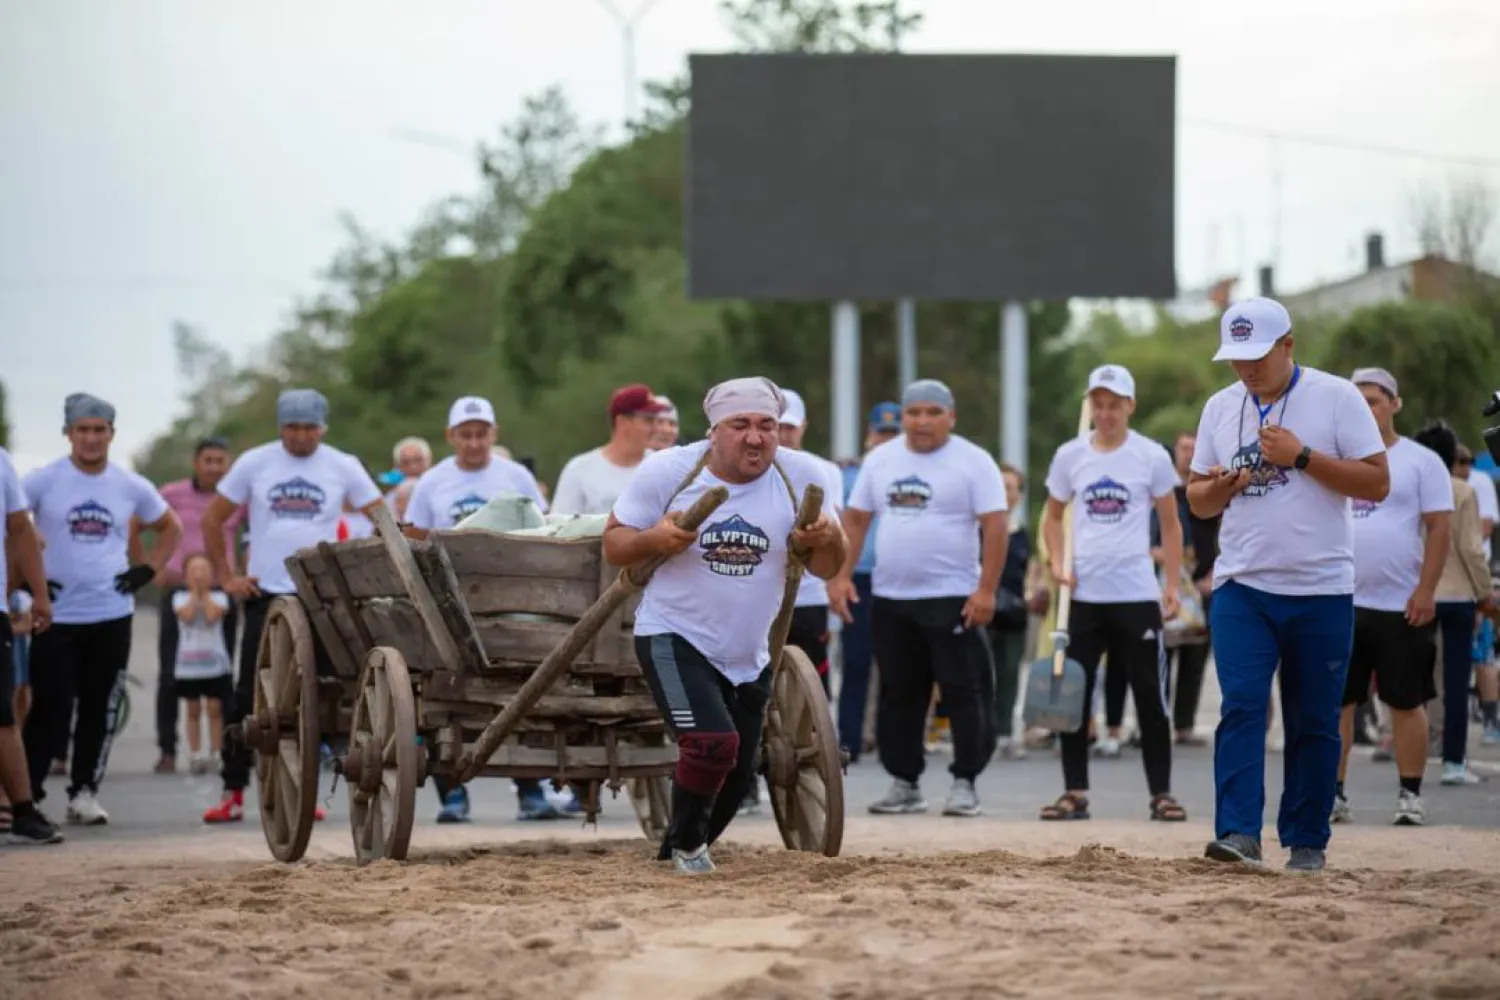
1333,143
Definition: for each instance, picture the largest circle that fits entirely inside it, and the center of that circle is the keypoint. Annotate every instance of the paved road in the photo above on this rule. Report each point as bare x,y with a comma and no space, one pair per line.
144,805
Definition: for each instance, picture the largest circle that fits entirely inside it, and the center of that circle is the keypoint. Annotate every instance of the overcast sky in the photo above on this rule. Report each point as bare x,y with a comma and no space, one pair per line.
179,159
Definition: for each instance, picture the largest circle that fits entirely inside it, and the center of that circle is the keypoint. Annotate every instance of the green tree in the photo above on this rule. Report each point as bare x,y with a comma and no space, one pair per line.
1446,359
819,25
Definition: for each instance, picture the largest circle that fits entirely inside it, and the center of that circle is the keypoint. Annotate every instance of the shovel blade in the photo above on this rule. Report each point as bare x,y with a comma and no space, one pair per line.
1053,702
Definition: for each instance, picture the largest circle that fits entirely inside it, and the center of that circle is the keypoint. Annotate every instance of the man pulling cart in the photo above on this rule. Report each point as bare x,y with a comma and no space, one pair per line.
703,630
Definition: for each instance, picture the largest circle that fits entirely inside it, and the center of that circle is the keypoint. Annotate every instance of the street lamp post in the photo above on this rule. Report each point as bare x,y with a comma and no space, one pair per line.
627,39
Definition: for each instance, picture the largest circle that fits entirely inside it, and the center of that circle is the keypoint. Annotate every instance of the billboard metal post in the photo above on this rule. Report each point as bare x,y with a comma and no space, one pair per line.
1013,369
906,332
845,394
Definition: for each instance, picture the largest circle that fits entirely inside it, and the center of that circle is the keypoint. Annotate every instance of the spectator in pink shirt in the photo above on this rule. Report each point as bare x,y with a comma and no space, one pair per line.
189,498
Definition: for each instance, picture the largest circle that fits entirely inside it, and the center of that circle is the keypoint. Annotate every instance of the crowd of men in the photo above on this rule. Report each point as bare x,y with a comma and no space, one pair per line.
1323,548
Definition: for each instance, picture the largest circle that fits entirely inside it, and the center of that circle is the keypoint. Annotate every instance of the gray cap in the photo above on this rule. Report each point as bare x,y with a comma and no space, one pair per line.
928,390
82,406
1377,377
301,406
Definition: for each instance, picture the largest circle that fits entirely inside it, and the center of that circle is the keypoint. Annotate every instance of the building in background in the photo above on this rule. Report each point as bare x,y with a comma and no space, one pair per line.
1429,278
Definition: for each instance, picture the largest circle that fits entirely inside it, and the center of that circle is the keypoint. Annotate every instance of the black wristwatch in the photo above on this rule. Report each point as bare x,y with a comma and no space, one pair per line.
1302,458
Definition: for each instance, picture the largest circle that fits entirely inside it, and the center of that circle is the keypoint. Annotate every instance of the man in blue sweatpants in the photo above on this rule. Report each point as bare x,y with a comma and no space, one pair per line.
1280,453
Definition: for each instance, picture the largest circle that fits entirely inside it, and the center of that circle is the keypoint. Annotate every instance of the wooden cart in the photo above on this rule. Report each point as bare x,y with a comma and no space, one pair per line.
476,653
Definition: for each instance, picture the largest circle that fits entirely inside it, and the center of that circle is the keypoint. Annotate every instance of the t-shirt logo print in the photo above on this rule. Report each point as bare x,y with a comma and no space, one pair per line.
1240,329
90,522
1264,476
1106,501
297,499
734,546
1364,508
461,509
910,494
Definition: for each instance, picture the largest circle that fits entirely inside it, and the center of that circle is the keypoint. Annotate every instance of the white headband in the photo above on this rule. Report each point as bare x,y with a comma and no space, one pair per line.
754,396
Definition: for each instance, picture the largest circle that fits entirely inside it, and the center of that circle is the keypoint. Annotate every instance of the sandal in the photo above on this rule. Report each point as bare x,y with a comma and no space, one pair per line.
1167,809
1067,806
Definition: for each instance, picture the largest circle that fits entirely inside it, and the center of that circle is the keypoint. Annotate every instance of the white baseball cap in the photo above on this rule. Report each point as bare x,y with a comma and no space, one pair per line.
1249,329
470,408
1113,378
795,413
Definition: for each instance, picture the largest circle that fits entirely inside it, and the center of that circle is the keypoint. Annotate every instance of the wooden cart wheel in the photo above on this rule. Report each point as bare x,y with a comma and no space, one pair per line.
285,729
381,767
651,798
804,769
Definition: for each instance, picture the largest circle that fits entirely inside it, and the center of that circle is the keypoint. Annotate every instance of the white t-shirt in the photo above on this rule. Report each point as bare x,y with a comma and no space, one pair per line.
85,520
13,501
1112,494
1286,533
358,525
1388,536
591,483
813,591
1489,503
446,493
722,594
201,651
927,538
1484,492
294,503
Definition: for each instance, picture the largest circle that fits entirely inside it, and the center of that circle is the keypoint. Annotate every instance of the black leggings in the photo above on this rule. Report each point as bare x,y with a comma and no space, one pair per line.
809,633
86,663
916,643
1130,634
717,725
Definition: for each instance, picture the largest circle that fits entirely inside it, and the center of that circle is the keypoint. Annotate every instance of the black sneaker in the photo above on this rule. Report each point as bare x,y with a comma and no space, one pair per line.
1306,859
34,828
1235,848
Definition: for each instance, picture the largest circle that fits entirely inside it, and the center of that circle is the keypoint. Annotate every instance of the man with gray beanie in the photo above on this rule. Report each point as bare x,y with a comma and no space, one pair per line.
83,504
702,630
296,489
934,586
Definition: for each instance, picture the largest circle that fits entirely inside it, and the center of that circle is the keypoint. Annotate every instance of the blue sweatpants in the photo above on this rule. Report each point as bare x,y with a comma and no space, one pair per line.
1310,638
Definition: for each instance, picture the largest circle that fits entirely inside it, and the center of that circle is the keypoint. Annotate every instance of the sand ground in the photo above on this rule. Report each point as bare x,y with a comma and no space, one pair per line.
491,914
155,906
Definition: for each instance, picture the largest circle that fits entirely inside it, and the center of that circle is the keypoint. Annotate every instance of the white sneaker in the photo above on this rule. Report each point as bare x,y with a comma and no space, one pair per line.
1341,811
1459,774
904,797
1409,809
85,810
962,800
1107,747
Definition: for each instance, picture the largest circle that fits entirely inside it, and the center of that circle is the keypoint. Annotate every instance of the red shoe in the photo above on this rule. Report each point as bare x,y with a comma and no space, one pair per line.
319,814
231,810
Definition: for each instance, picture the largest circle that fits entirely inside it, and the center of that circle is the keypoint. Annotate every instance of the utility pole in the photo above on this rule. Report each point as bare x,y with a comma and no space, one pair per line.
627,41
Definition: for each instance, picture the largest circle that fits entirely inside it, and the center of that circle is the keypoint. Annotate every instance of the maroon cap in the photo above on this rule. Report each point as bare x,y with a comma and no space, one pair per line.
635,398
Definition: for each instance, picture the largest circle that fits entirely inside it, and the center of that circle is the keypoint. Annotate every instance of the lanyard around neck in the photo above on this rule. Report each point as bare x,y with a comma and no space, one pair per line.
1265,411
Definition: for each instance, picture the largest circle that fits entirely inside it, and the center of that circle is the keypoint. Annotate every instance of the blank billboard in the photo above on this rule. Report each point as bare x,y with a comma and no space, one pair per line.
942,177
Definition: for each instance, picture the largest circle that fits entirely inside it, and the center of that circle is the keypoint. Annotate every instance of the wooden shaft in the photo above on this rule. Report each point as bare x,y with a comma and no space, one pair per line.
796,564
1064,592
580,635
